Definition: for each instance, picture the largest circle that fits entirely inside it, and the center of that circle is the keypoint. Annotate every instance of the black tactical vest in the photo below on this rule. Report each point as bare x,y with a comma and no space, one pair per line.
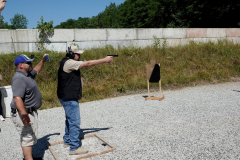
69,84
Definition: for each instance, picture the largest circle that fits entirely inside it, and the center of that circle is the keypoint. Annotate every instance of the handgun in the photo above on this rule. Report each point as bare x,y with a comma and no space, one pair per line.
113,55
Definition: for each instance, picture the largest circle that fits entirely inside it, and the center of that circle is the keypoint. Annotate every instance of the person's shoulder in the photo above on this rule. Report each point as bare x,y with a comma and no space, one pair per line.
71,65
17,77
71,60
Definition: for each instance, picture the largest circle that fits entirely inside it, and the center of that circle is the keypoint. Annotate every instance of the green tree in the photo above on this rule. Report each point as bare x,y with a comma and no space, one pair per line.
165,14
93,22
134,13
127,14
109,17
70,24
214,14
147,13
83,22
19,21
176,13
45,30
4,25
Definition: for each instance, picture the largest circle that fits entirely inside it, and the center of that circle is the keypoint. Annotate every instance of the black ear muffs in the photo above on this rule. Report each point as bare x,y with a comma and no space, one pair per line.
70,54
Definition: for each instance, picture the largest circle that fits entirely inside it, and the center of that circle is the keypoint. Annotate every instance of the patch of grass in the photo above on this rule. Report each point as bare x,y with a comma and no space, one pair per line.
196,63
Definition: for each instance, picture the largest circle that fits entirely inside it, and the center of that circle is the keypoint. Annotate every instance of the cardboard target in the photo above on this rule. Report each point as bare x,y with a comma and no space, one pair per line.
150,68
155,76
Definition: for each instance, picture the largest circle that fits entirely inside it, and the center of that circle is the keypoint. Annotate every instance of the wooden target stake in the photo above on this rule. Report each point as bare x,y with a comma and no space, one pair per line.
85,156
153,76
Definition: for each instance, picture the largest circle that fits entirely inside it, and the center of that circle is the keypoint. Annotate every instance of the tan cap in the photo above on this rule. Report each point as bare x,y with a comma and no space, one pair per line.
76,50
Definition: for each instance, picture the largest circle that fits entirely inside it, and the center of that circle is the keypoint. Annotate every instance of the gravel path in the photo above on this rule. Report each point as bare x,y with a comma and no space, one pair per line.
201,122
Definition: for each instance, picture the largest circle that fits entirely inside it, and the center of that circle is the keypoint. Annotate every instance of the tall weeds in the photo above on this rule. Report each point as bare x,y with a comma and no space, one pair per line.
189,65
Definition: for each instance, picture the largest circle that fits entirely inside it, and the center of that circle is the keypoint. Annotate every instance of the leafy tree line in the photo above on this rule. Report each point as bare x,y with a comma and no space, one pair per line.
109,18
153,14
19,21
163,14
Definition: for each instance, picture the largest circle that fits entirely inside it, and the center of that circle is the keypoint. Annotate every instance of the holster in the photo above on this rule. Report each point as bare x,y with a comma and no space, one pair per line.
29,110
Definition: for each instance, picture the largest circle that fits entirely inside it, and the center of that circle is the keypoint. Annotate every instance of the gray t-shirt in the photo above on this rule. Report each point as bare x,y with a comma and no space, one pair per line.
24,86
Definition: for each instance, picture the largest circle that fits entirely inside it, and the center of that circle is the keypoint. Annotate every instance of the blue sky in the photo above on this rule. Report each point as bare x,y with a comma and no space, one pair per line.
56,10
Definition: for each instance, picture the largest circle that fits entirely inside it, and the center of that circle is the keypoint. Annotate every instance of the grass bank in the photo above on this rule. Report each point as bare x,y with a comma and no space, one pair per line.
189,65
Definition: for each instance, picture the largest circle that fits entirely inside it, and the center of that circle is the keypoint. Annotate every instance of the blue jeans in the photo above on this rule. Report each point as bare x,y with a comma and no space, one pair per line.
72,123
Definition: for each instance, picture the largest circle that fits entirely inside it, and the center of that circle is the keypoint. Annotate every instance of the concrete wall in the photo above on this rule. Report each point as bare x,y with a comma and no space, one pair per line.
26,39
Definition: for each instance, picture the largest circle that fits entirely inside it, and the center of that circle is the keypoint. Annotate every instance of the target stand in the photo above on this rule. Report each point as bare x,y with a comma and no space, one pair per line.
85,156
153,76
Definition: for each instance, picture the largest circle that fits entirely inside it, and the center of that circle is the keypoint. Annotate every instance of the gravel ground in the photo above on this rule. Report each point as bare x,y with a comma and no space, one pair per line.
201,122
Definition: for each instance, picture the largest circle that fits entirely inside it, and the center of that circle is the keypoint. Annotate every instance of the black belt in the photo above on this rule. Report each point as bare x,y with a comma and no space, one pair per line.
30,110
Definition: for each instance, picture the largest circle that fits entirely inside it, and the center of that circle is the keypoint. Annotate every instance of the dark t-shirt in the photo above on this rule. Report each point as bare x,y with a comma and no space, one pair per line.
24,86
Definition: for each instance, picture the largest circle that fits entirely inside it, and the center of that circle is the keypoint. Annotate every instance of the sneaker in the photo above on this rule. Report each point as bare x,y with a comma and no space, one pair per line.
78,151
1,118
66,145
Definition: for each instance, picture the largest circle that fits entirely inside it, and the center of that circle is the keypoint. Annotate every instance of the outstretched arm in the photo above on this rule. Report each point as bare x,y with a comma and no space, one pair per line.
96,62
39,66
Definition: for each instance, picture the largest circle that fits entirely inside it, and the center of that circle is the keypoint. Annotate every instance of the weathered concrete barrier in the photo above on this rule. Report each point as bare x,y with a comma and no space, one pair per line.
26,39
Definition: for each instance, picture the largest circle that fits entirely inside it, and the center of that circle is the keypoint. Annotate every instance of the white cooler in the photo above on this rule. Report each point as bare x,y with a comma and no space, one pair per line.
7,97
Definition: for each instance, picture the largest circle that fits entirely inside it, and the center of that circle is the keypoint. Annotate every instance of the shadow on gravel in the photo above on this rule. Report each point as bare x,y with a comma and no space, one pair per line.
41,146
236,90
146,96
91,130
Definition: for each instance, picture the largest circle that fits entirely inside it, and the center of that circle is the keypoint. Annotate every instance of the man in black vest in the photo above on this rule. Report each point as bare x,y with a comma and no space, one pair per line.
69,91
